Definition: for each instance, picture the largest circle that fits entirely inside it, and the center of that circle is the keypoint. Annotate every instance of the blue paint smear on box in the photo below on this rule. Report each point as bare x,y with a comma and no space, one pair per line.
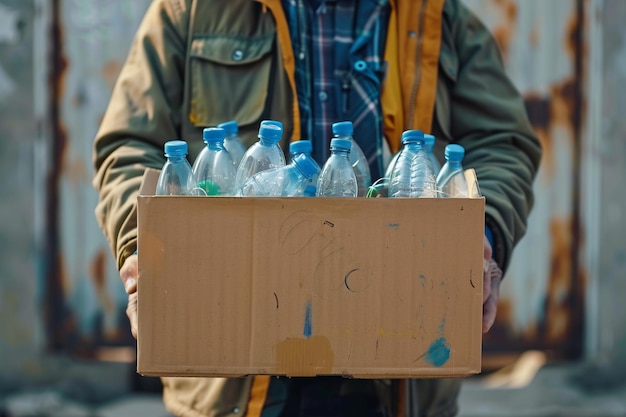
308,326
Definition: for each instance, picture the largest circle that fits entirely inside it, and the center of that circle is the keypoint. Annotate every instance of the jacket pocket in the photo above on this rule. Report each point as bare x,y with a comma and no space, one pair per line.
229,79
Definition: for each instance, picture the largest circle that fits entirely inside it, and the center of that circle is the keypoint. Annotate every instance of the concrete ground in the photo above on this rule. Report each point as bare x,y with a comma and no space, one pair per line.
528,388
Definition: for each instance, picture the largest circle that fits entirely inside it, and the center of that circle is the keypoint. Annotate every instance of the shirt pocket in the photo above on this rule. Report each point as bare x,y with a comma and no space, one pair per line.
229,79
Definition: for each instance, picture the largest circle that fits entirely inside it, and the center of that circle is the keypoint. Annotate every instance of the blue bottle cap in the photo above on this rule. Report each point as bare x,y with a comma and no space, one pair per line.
454,152
272,122
270,132
343,129
429,140
341,144
301,146
213,134
412,136
175,148
231,127
306,165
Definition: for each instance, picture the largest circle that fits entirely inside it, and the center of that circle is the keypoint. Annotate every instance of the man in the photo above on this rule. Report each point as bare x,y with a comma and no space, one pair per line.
386,65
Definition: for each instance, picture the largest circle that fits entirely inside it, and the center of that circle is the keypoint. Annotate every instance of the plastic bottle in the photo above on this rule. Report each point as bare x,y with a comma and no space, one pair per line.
429,143
232,142
345,130
287,181
337,178
264,154
213,170
412,174
176,177
305,147
451,179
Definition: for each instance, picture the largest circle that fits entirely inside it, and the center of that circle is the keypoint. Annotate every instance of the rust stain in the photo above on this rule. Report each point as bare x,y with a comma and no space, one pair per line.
110,71
60,325
558,299
504,30
98,275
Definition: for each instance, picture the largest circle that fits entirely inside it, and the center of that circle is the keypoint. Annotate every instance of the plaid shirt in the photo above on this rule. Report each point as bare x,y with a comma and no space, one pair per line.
339,49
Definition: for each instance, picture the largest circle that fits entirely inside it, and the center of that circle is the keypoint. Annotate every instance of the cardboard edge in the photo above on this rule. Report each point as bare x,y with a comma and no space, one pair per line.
149,182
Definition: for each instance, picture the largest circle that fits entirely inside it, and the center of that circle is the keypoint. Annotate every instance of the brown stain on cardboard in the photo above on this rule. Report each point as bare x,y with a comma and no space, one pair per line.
304,357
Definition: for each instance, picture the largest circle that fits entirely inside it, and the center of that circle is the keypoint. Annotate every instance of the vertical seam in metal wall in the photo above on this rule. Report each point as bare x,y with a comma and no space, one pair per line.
591,181
576,296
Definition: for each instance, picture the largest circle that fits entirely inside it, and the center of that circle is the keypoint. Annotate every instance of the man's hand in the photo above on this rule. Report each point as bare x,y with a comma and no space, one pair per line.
492,276
129,277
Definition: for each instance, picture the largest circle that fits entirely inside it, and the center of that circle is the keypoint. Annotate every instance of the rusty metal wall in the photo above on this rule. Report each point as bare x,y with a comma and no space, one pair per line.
20,320
543,294
604,171
90,41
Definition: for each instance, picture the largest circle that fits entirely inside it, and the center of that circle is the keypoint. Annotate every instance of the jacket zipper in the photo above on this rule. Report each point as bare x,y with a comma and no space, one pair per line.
418,71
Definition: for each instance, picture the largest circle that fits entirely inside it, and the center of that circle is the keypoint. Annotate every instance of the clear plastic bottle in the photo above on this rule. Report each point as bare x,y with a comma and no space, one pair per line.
262,155
305,147
288,181
337,178
451,179
345,130
412,174
176,177
232,142
213,170
429,143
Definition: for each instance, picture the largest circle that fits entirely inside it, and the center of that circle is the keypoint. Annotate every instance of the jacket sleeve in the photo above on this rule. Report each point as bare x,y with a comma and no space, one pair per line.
144,112
488,118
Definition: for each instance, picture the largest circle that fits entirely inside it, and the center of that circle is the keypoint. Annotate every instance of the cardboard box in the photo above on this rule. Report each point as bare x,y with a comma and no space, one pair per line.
309,286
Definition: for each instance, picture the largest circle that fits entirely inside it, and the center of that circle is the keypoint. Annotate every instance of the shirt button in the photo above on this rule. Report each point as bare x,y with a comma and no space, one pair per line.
236,410
323,96
238,55
360,65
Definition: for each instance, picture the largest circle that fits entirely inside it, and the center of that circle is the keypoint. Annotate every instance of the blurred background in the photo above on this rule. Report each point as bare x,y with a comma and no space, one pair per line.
559,344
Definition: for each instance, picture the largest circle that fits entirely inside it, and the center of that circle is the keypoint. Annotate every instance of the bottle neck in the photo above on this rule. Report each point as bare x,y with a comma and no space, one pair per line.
342,153
265,142
177,158
416,146
215,146
453,164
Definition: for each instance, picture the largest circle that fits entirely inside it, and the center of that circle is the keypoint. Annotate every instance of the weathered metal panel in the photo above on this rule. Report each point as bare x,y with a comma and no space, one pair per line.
91,45
20,320
542,295
604,168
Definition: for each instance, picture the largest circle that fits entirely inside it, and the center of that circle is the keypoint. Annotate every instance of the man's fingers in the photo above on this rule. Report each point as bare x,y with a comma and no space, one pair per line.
486,285
129,274
489,313
131,312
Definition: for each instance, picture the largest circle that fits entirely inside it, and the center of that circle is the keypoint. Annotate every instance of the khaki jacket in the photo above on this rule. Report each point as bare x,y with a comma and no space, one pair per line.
197,63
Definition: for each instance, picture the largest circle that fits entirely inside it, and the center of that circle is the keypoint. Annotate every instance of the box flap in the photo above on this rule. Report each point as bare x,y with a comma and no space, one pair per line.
149,181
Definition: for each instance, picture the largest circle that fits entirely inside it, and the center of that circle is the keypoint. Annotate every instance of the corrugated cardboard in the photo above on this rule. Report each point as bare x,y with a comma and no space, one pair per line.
309,286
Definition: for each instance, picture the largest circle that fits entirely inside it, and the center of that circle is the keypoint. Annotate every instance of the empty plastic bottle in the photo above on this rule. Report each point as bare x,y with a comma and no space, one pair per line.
232,142
429,143
262,155
345,130
412,174
288,181
451,179
176,177
337,178
213,170
305,147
